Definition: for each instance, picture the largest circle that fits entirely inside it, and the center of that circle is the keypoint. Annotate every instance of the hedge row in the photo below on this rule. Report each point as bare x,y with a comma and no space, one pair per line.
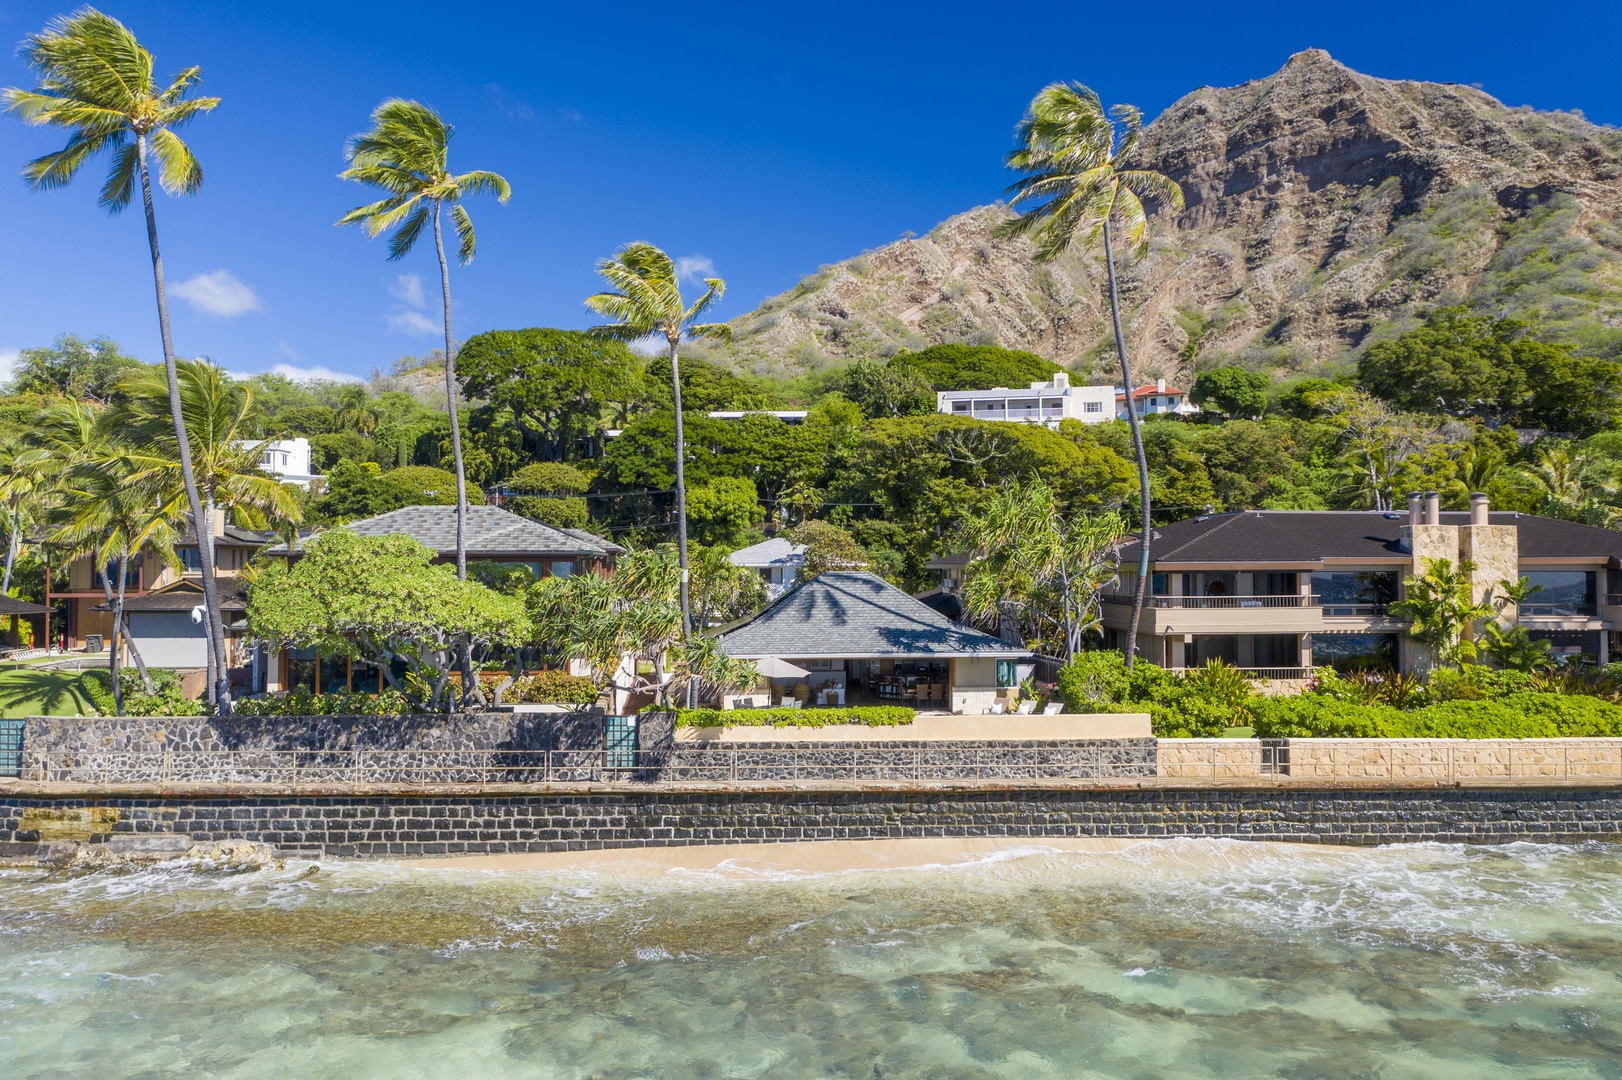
1516,716
868,715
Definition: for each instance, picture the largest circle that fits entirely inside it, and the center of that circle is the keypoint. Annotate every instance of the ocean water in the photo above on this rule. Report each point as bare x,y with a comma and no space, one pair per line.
1168,959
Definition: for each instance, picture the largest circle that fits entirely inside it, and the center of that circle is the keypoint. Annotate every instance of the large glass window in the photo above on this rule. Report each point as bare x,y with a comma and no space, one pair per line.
334,674
190,558
1279,583
1355,652
301,668
1007,673
1561,592
1354,592
1277,650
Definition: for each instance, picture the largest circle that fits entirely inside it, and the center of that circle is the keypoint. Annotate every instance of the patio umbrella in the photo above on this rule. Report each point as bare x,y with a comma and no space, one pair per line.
770,667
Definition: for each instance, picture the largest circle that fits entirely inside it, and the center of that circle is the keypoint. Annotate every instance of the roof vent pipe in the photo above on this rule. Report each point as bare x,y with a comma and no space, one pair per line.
1433,508
1478,508
1416,508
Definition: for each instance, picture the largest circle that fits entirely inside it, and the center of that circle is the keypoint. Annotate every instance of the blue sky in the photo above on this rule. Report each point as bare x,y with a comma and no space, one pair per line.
765,139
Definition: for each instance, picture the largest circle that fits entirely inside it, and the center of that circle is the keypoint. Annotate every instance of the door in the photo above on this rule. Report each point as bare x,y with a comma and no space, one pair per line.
619,740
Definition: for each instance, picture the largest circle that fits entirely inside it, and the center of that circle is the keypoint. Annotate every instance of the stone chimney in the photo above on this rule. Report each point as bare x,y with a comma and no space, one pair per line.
1478,508
1493,550
1433,508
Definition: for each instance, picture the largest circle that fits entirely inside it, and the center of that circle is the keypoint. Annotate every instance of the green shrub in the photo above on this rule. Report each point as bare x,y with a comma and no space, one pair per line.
165,699
554,687
1527,715
1093,681
868,715
301,702
560,513
1203,704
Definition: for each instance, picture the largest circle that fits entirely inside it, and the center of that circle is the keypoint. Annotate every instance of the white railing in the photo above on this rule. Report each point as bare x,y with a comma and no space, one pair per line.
1259,672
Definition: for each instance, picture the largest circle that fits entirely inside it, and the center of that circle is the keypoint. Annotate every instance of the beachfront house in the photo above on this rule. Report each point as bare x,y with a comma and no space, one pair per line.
493,535
854,638
1280,592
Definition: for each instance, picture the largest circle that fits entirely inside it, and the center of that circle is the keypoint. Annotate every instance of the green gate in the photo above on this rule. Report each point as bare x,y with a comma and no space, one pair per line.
11,747
619,740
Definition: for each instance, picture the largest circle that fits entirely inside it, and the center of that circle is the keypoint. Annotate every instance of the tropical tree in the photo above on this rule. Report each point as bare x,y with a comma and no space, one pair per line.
222,466
111,516
406,155
1032,563
25,479
383,598
646,300
1442,612
1073,159
97,81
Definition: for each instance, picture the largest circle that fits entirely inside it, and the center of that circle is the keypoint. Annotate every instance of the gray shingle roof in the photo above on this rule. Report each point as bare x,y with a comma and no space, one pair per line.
851,613
1297,536
491,531
776,551
182,595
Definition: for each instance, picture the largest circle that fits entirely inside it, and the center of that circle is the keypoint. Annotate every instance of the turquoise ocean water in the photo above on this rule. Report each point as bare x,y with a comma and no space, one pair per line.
1169,959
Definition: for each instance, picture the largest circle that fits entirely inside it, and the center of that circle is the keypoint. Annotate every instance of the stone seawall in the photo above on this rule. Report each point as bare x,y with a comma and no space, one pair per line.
475,823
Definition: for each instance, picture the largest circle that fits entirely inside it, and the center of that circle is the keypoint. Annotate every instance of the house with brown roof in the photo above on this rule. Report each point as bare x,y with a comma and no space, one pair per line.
1281,592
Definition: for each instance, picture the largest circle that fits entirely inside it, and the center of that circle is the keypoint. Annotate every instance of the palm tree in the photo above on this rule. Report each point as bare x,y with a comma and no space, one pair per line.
225,463
110,517
96,81
648,302
405,154
1072,154
25,477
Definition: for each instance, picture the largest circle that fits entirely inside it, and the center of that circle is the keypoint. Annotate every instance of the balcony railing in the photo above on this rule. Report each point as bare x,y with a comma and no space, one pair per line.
1331,609
1258,673
1569,611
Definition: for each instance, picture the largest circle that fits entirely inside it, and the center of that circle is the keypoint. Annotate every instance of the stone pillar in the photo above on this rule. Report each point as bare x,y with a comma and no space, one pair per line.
1495,551
1306,650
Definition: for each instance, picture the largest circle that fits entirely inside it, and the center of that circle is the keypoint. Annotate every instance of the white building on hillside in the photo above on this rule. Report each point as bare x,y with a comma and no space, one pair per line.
288,460
1042,403
776,560
1156,397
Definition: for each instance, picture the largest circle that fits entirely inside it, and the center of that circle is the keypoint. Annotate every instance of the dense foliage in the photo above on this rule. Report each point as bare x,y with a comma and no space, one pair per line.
865,715
165,699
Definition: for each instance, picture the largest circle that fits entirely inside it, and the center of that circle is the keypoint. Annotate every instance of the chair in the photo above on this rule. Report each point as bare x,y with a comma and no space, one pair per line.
910,693
1053,708
1026,708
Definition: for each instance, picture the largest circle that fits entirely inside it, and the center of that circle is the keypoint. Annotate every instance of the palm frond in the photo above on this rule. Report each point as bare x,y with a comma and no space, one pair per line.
464,233
178,169
480,182
405,237
119,187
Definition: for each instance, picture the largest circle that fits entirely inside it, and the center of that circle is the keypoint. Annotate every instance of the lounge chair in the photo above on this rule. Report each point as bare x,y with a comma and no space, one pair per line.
1053,708
1026,708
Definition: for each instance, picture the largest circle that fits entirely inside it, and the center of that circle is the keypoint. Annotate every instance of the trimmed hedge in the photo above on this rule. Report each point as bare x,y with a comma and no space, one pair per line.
301,702
554,687
1527,715
867,715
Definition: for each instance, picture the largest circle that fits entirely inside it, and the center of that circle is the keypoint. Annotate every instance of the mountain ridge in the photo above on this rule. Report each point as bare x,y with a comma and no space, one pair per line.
1324,209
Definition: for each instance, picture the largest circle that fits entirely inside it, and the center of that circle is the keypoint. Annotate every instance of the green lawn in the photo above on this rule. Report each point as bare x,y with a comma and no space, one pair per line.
26,692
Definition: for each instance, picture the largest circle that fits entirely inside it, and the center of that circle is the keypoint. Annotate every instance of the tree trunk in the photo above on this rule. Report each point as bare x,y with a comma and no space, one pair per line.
1137,446
211,592
681,507
470,685
116,644
137,658
13,543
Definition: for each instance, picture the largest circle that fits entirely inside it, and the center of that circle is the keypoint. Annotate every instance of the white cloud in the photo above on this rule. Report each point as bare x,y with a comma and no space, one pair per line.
411,322
314,373
407,288
288,351
694,268
218,293
8,364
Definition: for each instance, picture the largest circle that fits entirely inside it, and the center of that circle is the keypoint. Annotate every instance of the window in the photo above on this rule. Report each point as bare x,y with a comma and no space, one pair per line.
1276,650
562,568
1561,592
191,558
1092,406
960,406
1007,673
301,668
1354,592
1275,583
1355,652
1160,584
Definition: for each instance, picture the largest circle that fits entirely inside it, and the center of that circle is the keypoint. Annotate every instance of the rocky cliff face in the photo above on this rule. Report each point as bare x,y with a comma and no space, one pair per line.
1324,209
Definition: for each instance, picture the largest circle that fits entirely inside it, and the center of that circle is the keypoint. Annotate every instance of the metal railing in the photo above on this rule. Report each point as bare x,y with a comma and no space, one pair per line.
1331,608
1259,672
1527,761
721,764
1566,610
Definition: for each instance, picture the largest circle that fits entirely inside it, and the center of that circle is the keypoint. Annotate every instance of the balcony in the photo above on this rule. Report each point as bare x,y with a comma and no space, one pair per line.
1560,611
1257,674
1207,603
1280,614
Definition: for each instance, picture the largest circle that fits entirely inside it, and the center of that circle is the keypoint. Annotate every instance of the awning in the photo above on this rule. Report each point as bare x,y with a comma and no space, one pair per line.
770,667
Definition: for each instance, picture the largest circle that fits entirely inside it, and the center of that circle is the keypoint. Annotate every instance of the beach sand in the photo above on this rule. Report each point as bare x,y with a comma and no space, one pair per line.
820,856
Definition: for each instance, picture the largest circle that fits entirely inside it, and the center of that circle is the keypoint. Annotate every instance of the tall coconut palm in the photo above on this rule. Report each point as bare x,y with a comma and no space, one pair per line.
647,302
405,154
25,480
96,81
1073,158
224,460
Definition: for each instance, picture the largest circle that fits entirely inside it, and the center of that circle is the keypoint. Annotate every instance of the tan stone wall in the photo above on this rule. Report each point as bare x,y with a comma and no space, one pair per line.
942,729
1442,760
1210,759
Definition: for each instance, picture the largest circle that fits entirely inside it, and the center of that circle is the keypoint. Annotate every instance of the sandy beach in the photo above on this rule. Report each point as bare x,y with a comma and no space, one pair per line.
820,856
